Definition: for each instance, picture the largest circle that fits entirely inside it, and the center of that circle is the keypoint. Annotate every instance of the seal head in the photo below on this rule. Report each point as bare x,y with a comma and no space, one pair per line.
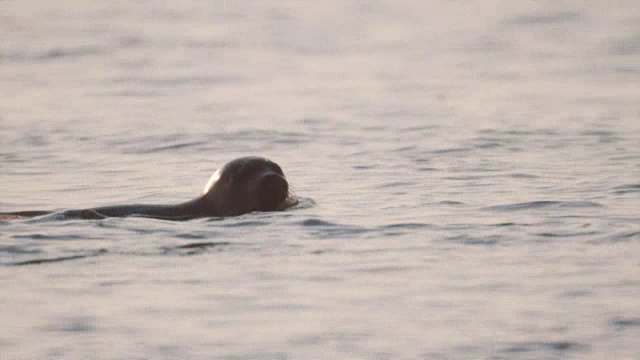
247,184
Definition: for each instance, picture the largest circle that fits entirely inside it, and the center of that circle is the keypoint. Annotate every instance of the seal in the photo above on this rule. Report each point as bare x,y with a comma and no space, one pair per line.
241,186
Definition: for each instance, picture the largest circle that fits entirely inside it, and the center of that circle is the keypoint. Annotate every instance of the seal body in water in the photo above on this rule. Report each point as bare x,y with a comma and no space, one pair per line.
241,186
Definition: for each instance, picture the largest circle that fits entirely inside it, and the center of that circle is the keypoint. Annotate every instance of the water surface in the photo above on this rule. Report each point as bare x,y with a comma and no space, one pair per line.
471,176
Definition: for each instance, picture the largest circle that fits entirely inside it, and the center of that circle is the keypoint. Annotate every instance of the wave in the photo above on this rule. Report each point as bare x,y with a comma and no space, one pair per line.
544,204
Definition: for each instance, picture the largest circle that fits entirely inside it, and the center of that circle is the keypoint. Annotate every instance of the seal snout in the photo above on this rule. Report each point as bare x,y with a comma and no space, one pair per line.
273,189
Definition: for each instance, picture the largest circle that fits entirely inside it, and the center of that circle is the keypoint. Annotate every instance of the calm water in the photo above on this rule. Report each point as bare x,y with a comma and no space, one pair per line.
470,174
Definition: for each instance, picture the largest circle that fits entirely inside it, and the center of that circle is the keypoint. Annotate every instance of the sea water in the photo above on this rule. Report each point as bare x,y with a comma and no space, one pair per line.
469,175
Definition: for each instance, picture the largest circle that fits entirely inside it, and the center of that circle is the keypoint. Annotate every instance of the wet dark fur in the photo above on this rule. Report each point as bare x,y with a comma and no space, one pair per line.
244,185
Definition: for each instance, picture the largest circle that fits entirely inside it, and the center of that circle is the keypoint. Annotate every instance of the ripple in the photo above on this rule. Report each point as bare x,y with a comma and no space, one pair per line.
508,224
543,204
325,229
552,345
383,269
273,137
316,222
577,293
408,226
626,189
202,245
194,248
488,145
52,54
523,176
73,324
192,236
58,259
396,184
38,236
450,202
175,80
626,46
546,18
567,234
14,250
621,323
245,223
470,240
181,145
625,236
451,150
11,157
363,167
156,144
627,70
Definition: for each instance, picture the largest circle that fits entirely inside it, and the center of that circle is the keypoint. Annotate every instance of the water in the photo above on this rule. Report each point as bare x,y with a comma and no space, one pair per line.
470,175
